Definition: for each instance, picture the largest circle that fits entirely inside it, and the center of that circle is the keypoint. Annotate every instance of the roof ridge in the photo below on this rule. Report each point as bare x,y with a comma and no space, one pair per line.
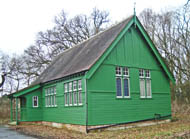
81,56
95,35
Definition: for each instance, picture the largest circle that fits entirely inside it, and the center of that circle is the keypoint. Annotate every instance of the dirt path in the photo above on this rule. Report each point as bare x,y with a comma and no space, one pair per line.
6,133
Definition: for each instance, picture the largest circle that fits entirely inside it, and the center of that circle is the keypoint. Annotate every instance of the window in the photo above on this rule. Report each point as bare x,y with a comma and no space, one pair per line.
70,94
145,83
119,87
66,94
73,93
35,101
79,92
70,98
125,71
126,87
74,85
80,97
66,87
79,85
122,82
50,97
148,87
147,73
75,98
142,88
141,73
70,87
118,71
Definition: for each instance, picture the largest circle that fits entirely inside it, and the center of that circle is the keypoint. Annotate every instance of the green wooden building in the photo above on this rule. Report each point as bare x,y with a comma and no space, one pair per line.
115,77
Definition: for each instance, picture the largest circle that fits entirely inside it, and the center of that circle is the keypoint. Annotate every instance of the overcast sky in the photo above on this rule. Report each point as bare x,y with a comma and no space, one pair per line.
20,20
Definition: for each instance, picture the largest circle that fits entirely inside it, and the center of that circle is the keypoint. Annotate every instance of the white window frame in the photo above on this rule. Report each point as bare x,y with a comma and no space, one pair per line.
33,99
128,87
121,88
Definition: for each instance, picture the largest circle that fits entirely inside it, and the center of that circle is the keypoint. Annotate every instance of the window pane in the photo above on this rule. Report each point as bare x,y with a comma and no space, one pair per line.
125,71
147,73
118,85
80,97
70,99
142,87
54,90
52,103
126,87
54,99
66,89
75,85
118,71
66,99
79,85
75,98
70,86
148,88
46,102
35,101
141,73
50,100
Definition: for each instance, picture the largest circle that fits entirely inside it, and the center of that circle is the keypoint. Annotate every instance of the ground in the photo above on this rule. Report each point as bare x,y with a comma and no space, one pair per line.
6,133
179,128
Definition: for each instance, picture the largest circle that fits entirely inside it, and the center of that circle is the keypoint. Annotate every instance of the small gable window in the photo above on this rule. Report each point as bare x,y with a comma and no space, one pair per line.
145,83
122,82
35,101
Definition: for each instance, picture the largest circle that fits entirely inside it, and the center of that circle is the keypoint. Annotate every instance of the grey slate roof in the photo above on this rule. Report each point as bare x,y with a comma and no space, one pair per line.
81,57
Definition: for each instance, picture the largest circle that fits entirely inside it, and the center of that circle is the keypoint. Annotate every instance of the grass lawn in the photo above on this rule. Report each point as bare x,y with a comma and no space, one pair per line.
179,128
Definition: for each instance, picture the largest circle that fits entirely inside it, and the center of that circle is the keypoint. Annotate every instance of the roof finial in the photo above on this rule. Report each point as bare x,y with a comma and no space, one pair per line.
135,13
134,8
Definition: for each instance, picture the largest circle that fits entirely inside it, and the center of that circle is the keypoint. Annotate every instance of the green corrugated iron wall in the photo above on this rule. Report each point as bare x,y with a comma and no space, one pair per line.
104,108
62,113
30,113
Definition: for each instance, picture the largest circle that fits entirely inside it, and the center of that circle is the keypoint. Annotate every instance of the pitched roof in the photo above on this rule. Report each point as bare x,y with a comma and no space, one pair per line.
81,57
